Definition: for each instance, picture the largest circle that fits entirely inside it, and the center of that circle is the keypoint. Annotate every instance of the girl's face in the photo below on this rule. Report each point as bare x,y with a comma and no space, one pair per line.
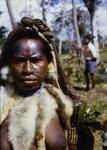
29,64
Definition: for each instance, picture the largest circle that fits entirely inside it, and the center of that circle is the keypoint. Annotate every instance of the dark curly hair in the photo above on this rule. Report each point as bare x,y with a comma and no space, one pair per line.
28,28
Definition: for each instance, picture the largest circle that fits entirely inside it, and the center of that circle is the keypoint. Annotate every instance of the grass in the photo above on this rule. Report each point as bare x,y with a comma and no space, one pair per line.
103,55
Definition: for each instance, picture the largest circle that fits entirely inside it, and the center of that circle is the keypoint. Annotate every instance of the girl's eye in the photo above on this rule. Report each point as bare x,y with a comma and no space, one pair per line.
18,60
35,60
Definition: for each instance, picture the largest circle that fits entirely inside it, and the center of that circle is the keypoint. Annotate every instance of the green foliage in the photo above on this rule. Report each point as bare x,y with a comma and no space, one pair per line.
70,64
82,29
92,4
104,55
102,68
81,112
83,23
88,113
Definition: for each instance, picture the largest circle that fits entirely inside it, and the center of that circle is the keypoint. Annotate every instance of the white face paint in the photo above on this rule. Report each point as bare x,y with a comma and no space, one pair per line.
28,49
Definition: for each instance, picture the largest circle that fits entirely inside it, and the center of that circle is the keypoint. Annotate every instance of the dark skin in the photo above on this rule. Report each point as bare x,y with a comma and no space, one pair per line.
55,139
29,66
86,41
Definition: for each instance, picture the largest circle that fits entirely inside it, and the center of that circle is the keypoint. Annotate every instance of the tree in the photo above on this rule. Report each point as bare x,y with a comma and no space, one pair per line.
43,10
76,24
9,8
62,25
3,30
27,10
83,23
92,6
43,5
78,40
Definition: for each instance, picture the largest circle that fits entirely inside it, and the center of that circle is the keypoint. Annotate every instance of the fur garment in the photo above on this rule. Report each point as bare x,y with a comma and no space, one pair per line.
30,116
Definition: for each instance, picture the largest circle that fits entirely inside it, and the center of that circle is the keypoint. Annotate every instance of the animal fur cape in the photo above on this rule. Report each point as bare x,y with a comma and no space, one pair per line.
29,116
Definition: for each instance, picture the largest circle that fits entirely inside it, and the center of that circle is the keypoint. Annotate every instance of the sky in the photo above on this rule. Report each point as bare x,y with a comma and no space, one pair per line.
19,5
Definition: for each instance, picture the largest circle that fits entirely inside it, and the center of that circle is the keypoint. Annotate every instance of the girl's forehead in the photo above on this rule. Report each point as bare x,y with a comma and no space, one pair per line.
28,47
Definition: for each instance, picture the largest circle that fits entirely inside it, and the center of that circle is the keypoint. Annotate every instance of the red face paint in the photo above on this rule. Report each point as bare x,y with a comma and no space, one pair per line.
27,50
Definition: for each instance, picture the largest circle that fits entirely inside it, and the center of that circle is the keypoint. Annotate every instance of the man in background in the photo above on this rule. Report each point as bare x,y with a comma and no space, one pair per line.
91,55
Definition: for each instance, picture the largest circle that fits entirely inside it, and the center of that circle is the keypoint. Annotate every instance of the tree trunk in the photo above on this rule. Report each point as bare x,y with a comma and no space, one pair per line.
91,23
77,37
76,24
43,10
95,33
9,8
60,47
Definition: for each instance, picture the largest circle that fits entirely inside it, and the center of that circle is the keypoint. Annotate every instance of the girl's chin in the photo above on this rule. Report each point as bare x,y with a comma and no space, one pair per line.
29,85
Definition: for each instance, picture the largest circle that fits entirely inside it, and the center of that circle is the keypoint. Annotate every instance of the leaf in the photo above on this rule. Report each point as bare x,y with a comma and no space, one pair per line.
81,111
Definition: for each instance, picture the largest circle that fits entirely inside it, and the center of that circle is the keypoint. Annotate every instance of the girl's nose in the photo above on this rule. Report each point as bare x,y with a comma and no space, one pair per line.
27,67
